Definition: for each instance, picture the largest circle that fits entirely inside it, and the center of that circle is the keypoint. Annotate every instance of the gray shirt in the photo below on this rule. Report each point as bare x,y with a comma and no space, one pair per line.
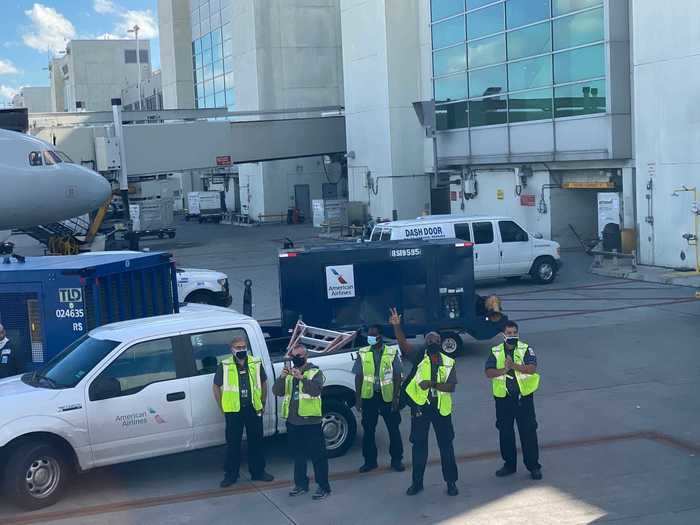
313,387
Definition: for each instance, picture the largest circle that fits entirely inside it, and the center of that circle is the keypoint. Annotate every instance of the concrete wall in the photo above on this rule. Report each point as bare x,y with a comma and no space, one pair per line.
667,127
175,30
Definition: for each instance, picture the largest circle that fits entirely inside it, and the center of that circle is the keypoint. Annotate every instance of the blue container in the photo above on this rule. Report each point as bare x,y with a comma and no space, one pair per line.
46,303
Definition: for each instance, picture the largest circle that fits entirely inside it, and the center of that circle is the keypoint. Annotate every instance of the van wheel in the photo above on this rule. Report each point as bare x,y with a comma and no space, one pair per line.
544,270
339,427
36,475
452,343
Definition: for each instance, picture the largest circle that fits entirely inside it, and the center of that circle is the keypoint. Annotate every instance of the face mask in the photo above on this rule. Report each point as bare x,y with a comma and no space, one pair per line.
298,360
372,340
241,354
433,349
511,340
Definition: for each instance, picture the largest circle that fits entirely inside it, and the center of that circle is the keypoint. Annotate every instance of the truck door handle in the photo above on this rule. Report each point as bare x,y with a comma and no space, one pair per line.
175,396
476,255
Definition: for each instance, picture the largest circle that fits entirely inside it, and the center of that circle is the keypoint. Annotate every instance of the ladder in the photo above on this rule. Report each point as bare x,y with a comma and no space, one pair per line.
319,340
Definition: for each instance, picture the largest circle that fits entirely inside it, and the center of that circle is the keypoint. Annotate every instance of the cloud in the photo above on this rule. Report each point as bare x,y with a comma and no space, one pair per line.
7,92
104,6
49,29
148,26
7,68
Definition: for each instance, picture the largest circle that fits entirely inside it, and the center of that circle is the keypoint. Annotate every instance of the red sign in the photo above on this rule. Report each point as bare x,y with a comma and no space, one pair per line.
527,200
224,160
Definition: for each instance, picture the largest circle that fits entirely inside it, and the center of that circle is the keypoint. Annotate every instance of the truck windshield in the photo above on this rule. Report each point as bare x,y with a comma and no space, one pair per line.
72,364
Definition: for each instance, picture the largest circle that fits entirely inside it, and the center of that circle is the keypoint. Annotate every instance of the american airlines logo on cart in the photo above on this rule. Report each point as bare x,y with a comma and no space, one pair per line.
340,281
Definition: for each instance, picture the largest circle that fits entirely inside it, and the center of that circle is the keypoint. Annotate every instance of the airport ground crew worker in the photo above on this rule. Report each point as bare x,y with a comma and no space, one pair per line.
8,357
429,390
378,386
512,369
301,387
240,389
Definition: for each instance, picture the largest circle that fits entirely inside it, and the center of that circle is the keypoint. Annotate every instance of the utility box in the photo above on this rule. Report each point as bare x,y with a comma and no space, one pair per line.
107,154
46,303
205,205
353,285
152,215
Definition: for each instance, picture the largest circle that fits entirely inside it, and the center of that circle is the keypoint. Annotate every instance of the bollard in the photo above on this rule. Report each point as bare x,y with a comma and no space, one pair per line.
248,298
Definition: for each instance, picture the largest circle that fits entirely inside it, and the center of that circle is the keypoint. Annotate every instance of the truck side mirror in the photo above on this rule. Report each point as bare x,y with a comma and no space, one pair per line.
104,388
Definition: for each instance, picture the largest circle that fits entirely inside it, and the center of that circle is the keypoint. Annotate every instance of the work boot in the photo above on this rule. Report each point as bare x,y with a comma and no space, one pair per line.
536,474
320,494
414,489
397,466
227,482
452,489
298,491
505,471
264,476
367,467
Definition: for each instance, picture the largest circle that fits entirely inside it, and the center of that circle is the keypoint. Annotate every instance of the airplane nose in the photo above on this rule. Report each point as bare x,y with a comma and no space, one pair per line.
96,189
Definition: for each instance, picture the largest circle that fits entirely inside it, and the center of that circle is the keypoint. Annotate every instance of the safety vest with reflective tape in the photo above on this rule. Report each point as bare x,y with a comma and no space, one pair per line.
420,396
309,406
386,373
231,395
527,383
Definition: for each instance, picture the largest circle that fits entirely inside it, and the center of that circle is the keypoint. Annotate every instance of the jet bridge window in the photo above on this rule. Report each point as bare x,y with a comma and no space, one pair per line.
35,158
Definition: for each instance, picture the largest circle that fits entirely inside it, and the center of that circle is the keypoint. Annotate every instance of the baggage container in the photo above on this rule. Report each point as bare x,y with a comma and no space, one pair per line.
46,303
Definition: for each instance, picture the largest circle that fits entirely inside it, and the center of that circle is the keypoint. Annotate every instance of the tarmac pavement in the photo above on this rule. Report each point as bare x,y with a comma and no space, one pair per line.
617,410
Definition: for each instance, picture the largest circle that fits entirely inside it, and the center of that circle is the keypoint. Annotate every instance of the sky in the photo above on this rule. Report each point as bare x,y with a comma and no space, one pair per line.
30,31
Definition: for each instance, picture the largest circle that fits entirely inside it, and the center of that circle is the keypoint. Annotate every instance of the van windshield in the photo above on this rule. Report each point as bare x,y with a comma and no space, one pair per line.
72,364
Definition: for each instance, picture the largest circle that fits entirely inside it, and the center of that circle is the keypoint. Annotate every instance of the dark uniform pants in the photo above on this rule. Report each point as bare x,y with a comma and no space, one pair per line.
444,432
510,409
308,443
253,423
371,410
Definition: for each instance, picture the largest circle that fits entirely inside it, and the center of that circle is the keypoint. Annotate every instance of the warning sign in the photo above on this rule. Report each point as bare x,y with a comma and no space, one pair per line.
340,281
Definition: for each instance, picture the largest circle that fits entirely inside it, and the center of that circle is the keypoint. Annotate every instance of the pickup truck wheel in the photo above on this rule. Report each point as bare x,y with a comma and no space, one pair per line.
339,427
36,475
452,343
544,270
199,297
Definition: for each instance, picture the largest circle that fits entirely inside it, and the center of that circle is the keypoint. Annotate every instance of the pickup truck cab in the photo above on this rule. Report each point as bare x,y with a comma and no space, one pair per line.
139,389
502,247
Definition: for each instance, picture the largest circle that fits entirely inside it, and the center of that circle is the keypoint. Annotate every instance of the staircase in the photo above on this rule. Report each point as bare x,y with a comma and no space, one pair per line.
61,238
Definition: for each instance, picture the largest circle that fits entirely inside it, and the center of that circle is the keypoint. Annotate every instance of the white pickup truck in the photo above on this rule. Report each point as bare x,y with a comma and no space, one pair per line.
195,285
139,389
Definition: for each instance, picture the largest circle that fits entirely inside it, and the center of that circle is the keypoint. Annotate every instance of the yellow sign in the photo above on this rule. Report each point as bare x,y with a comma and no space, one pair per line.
500,195
588,185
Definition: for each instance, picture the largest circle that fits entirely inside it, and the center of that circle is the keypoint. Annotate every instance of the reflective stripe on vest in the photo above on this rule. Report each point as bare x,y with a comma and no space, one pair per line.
386,372
309,406
231,393
420,396
527,383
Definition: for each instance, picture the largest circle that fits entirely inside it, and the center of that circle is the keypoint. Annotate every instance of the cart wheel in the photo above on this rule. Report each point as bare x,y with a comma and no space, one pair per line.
452,343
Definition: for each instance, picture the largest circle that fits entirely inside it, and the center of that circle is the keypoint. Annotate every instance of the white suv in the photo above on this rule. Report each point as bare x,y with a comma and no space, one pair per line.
502,247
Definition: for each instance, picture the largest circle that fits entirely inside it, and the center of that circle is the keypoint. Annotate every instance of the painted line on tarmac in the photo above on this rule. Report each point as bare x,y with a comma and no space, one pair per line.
566,289
250,487
577,299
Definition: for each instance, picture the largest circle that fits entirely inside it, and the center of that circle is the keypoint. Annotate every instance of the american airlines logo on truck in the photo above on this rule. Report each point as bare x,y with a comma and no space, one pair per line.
340,281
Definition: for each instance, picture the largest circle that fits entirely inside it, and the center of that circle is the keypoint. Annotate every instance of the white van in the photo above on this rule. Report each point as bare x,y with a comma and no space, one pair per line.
502,247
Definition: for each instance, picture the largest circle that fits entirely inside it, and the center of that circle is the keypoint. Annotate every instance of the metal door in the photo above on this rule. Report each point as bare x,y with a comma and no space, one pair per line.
330,191
302,199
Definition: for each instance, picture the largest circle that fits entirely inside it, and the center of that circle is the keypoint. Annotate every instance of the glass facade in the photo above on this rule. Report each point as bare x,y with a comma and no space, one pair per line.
212,54
508,61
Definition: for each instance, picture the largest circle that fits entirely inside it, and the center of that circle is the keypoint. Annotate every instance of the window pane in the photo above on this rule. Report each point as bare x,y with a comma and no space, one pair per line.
218,84
227,32
228,48
473,4
561,7
206,41
580,99
197,46
210,348
487,111
527,74
485,21
449,60
522,12
489,81
530,41
449,32
206,56
216,37
444,8
452,116
210,101
208,72
530,105
208,87
511,232
487,51
230,98
462,232
198,60
218,68
229,79
483,232
217,52
579,64
451,88
577,30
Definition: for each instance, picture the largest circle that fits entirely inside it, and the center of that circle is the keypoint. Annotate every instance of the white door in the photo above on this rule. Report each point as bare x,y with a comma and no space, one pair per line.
138,406
516,249
208,350
487,255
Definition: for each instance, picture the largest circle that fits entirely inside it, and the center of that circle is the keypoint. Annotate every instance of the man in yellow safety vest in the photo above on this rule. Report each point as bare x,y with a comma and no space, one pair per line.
301,388
377,386
429,390
240,390
512,366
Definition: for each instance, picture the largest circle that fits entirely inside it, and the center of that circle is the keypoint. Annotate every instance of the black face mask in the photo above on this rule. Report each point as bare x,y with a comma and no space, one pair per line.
241,354
298,360
433,349
511,341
